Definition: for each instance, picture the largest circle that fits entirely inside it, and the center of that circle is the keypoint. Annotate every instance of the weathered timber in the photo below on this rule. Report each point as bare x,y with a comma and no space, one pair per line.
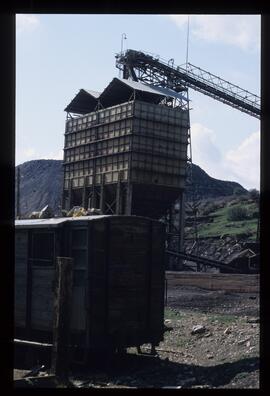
243,283
62,316
48,381
32,343
118,280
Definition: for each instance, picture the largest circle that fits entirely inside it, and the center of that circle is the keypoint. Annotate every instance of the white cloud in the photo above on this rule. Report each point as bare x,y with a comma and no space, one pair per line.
241,164
204,149
244,160
27,22
242,31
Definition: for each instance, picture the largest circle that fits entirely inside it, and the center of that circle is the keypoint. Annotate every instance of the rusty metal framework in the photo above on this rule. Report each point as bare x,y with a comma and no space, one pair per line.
141,66
129,158
157,72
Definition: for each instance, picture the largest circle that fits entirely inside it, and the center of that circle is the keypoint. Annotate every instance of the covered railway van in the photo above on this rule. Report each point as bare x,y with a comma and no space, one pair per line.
118,279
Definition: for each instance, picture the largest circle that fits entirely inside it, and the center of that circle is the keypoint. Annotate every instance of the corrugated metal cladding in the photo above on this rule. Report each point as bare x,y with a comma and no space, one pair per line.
133,141
118,91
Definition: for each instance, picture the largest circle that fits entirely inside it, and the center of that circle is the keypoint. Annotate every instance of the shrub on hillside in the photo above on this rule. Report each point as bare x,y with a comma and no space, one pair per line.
210,208
254,194
238,191
255,215
236,213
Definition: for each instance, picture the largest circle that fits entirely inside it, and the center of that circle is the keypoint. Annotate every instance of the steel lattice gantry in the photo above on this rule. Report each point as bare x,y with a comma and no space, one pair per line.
153,70
156,72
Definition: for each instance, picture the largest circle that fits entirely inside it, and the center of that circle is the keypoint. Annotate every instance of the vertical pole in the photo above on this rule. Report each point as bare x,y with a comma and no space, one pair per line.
181,226
196,236
94,201
118,195
63,203
18,193
84,202
169,237
149,280
89,202
62,316
102,194
28,313
129,199
69,194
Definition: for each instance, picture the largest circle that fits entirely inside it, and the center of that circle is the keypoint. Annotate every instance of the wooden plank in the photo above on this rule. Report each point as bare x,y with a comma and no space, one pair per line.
78,313
20,287
48,381
61,322
32,343
246,283
20,296
28,285
119,292
21,241
42,298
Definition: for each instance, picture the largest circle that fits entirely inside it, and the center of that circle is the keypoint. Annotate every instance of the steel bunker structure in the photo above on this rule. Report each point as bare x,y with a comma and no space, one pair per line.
126,151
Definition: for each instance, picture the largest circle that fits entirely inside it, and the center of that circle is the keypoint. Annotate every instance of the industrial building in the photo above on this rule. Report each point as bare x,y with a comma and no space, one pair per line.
125,149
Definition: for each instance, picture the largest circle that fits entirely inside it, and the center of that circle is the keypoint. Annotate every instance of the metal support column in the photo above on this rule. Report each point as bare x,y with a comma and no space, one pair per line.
118,197
69,194
129,199
169,235
119,194
181,222
102,194
84,200
94,195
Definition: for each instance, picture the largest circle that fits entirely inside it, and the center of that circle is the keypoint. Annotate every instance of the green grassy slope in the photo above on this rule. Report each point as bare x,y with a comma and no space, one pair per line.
219,223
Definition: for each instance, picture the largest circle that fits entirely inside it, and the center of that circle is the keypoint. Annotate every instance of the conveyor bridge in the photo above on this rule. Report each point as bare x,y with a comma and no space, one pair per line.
153,70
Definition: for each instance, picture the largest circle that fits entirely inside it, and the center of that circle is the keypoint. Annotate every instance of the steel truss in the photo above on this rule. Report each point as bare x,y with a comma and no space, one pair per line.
151,69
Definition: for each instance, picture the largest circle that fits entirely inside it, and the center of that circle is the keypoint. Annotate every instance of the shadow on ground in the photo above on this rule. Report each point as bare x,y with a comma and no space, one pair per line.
152,372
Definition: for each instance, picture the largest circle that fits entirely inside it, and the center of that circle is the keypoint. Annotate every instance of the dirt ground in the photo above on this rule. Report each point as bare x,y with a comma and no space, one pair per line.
221,352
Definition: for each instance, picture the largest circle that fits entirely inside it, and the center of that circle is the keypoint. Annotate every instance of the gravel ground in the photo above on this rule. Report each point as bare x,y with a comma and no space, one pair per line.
211,340
223,353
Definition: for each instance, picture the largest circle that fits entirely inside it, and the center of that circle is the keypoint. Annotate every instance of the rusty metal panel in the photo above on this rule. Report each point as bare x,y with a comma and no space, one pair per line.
133,142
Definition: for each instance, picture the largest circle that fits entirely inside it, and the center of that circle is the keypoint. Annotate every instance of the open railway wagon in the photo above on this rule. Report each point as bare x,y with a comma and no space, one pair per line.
118,279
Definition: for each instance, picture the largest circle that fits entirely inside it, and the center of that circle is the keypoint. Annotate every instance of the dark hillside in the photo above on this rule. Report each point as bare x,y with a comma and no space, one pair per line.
205,186
41,185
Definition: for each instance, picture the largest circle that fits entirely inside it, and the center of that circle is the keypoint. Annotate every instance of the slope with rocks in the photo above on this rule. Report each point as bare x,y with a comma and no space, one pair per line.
41,184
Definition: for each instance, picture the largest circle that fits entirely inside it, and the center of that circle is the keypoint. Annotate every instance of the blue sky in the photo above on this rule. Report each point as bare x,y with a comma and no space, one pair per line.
56,55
